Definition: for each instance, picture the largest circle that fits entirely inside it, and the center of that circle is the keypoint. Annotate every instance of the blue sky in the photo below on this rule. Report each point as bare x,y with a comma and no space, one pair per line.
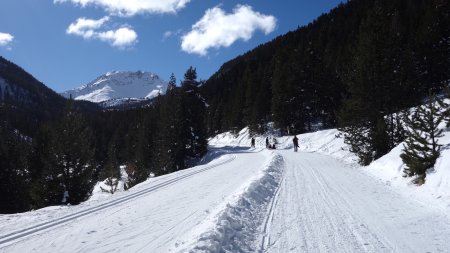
66,43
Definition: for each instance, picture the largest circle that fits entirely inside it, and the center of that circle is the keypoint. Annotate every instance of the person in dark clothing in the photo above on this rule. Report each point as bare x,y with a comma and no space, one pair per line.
267,142
253,142
295,140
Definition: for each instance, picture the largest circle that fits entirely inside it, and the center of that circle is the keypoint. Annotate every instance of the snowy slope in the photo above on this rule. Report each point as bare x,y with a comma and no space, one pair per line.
119,85
194,209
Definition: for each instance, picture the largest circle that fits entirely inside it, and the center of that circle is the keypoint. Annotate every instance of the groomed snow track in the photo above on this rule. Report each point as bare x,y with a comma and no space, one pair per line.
17,235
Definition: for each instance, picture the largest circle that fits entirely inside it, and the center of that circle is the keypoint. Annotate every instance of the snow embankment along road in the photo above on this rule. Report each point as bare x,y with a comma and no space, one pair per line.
325,205
187,208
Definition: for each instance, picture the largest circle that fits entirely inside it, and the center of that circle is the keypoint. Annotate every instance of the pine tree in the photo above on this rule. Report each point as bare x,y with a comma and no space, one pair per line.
111,171
170,152
71,165
172,83
422,149
193,135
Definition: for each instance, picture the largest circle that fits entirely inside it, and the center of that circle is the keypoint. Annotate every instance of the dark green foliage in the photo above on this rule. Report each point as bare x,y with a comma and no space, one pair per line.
111,170
422,150
380,75
192,122
170,151
70,162
172,83
371,51
76,145
15,167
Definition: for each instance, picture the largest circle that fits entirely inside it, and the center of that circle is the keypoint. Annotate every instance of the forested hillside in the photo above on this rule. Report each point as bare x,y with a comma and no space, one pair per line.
366,58
50,145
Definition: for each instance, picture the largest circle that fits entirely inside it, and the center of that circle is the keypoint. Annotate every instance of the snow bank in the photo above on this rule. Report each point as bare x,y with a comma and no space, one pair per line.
388,169
243,139
329,142
235,229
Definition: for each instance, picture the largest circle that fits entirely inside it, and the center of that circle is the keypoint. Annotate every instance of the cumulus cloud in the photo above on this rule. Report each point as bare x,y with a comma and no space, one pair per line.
218,29
89,29
132,7
122,37
85,27
5,39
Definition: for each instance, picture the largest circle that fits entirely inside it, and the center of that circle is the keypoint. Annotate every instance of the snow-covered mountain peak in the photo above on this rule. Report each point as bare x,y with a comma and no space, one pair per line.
119,85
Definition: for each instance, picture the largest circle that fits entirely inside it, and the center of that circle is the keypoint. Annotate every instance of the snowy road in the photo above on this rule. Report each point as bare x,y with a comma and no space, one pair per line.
244,201
156,221
324,205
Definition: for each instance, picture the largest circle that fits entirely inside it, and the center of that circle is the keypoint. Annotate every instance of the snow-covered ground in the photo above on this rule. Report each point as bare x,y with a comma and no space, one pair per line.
254,200
199,209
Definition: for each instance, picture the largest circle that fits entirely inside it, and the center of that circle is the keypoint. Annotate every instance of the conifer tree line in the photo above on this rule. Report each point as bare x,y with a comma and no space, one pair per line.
356,68
349,69
75,150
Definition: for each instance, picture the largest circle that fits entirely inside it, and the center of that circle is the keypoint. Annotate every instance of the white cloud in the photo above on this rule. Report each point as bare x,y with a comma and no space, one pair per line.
85,27
5,39
89,29
132,7
217,29
122,37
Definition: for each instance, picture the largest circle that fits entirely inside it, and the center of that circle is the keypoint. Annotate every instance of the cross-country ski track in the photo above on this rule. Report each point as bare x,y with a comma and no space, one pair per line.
245,201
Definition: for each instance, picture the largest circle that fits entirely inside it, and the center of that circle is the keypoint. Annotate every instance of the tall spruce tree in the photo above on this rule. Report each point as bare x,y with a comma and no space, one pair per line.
170,151
193,135
422,149
111,170
172,83
71,165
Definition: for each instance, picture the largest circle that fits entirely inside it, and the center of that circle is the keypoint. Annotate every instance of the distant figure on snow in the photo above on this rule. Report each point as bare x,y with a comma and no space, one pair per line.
295,140
267,142
253,142
65,199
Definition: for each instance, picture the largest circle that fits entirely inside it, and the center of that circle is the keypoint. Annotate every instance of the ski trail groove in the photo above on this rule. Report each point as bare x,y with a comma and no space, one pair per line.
14,236
266,238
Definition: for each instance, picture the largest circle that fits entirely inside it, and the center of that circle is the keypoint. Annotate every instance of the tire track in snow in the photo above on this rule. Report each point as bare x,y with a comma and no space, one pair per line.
17,235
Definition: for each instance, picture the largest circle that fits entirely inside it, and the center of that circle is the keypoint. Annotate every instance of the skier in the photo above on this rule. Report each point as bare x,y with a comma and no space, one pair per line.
295,140
253,142
267,142
65,199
